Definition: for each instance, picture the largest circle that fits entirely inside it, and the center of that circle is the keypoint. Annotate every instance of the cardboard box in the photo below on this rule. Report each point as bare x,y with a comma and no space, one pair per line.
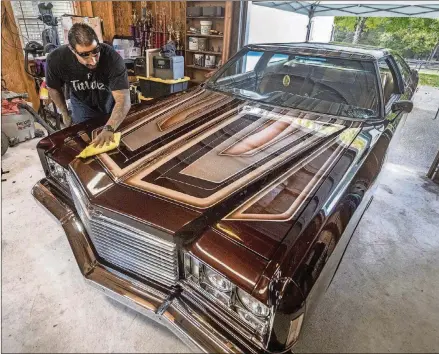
68,21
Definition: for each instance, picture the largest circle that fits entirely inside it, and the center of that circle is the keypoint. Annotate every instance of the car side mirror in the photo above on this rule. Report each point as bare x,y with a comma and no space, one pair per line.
402,106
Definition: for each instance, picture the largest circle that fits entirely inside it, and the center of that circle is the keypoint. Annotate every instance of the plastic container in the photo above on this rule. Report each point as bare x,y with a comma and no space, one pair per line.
210,61
18,127
153,87
193,43
206,26
199,59
194,11
202,44
213,11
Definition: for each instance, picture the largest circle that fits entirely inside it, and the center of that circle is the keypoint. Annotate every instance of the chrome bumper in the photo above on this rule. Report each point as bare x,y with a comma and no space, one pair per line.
189,324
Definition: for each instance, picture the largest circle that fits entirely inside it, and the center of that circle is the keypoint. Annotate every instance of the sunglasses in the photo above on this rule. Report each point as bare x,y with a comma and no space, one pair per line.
93,52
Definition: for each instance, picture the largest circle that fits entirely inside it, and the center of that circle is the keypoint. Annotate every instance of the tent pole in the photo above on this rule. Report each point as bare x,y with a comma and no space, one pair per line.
308,27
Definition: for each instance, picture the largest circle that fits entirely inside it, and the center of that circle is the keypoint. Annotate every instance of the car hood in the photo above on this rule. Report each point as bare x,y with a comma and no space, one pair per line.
209,161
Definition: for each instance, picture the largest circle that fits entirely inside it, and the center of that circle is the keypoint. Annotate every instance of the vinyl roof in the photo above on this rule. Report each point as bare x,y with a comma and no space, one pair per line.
426,9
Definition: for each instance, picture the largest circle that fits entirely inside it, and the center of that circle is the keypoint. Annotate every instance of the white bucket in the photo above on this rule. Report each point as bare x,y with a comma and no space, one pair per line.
193,43
206,26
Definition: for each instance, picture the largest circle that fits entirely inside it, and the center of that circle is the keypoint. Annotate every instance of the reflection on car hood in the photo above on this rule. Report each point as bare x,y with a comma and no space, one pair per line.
209,160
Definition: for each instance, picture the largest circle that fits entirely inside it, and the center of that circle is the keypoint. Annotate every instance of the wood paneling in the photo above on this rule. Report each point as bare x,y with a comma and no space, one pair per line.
13,72
227,30
85,8
122,11
104,10
117,15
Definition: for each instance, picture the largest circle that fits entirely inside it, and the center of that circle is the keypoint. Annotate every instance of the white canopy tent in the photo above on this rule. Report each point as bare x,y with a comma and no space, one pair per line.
426,9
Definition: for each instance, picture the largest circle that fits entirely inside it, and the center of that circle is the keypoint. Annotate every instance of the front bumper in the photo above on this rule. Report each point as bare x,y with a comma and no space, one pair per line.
183,318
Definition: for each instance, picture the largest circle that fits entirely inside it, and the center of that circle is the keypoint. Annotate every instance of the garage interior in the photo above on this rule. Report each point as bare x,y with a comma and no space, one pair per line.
383,297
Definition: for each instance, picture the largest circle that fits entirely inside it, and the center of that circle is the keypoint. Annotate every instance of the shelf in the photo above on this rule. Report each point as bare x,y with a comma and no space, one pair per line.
205,35
200,68
206,17
204,52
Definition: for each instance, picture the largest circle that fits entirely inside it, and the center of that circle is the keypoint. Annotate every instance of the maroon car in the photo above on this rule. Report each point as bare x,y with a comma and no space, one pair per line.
226,210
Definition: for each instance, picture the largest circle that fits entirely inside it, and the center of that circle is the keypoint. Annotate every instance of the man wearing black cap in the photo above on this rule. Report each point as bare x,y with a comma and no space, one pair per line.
97,78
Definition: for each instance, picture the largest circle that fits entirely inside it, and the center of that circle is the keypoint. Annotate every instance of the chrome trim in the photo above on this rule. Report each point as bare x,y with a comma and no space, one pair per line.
124,246
193,327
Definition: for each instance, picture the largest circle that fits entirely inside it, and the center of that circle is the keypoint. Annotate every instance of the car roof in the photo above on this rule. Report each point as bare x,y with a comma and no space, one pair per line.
333,49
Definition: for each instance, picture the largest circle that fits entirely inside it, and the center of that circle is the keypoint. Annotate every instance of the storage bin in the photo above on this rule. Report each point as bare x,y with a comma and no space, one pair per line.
194,11
152,87
213,11
219,11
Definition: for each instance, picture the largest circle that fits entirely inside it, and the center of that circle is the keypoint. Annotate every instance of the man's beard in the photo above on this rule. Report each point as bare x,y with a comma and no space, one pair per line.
92,66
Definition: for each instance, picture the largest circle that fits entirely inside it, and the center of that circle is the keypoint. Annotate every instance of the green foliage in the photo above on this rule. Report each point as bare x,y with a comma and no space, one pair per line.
429,80
413,37
346,23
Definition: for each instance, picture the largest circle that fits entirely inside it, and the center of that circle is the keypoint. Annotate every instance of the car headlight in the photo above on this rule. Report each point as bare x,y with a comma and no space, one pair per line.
256,307
217,280
57,171
253,312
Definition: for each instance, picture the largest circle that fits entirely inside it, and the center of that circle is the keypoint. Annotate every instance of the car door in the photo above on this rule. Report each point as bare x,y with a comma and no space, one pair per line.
409,76
393,84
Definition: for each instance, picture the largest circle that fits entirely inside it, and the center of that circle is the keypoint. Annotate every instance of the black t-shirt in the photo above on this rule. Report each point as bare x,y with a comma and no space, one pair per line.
90,89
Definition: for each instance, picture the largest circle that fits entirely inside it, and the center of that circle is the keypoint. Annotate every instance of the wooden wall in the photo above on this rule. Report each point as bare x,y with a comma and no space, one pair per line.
13,72
117,15
175,9
104,10
122,11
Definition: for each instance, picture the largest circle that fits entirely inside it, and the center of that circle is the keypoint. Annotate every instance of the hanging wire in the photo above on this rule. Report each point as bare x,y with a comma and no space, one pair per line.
22,14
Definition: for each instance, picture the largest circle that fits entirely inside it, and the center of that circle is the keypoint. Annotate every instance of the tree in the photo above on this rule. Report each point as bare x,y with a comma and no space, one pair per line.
359,29
413,37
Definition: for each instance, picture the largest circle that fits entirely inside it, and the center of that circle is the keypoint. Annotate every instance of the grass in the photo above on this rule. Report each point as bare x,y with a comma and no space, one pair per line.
429,80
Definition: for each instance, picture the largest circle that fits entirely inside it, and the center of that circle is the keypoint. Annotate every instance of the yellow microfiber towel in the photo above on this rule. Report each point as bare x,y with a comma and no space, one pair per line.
91,150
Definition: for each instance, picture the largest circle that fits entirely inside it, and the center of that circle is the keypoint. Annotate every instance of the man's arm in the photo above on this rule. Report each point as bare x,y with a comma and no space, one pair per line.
120,111
59,100
121,107
54,85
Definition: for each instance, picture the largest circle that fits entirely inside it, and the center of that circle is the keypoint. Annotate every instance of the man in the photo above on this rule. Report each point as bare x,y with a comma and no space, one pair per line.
97,78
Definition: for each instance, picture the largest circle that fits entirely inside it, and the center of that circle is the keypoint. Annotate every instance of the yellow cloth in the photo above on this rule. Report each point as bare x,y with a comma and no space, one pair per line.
91,150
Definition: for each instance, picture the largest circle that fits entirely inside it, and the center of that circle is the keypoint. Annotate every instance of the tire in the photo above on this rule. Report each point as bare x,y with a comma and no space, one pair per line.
5,143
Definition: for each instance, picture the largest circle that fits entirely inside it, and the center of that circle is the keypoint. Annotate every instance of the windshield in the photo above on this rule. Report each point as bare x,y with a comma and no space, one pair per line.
334,86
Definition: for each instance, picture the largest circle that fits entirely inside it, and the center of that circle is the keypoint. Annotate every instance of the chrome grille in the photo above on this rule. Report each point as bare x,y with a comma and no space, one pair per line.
124,246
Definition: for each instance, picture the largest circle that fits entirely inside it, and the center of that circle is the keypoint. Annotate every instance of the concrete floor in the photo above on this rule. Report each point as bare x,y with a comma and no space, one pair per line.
384,297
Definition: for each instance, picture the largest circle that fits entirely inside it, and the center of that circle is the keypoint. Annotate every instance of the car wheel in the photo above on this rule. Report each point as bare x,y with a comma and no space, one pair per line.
5,143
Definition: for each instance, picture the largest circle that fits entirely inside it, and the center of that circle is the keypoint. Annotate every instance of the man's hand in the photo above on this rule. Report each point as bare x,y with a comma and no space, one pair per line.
104,137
